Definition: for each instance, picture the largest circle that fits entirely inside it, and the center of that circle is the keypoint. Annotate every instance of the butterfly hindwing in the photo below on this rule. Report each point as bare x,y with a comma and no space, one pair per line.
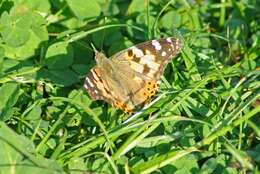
101,86
96,87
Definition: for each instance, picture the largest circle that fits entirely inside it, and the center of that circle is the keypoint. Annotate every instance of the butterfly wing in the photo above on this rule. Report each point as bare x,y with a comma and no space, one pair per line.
130,77
149,59
109,88
142,65
96,87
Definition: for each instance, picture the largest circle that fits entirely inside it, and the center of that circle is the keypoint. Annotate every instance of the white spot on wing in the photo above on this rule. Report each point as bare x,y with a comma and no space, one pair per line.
137,51
178,44
156,45
177,47
149,61
85,86
89,82
169,40
147,58
163,53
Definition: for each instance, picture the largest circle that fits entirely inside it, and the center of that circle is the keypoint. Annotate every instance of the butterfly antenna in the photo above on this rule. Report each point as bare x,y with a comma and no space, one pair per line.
93,47
103,36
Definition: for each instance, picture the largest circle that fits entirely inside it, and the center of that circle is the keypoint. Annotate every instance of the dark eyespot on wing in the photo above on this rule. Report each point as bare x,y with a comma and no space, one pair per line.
136,59
146,69
130,53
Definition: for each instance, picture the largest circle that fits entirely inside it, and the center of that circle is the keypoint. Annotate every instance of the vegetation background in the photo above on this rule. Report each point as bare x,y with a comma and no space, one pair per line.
205,118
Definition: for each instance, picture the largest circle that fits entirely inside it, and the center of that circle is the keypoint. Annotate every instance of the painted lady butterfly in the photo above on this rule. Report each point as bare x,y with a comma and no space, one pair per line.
129,78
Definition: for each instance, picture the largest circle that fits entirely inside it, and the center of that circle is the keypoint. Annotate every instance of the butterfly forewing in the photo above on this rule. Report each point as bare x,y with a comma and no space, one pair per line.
150,58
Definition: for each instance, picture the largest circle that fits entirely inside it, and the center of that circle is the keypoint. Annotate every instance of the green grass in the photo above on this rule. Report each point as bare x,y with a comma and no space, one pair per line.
204,119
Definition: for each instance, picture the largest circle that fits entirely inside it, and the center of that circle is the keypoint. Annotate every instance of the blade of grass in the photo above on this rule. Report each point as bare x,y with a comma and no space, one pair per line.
162,160
134,139
94,116
80,35
109,159
148,19
241,159
52,129
38,162
154,26
222,13
16,75
223,128
85,147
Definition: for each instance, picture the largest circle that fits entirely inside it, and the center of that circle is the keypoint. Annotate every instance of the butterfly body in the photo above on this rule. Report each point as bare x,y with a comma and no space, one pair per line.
129,78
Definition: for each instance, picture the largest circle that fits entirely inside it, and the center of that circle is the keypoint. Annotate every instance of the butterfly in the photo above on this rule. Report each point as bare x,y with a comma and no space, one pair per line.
130,77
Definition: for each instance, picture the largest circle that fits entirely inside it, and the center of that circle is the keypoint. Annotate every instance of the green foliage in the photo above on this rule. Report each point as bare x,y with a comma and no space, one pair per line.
59,56
204,119
83,10
10,94
14,149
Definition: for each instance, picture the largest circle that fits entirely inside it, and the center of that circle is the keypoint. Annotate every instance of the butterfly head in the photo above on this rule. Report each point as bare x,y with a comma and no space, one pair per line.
100,58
